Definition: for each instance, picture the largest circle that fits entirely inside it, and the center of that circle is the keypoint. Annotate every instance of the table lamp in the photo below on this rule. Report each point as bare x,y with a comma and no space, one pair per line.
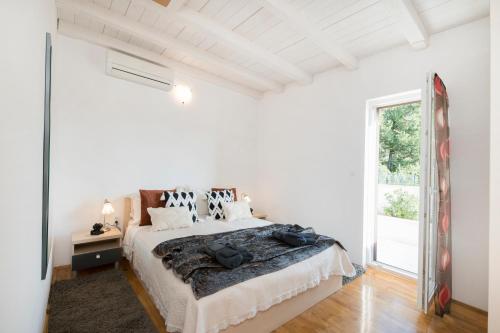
107,209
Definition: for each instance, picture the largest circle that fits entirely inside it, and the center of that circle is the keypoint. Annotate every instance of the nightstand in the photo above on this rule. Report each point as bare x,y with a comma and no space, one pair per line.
261,216
92,251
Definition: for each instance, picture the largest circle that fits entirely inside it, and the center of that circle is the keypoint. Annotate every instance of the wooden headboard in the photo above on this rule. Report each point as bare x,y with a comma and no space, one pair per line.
127,209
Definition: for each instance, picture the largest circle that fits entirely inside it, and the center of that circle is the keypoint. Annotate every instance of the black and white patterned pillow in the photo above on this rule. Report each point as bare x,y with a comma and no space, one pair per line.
215,200
182,199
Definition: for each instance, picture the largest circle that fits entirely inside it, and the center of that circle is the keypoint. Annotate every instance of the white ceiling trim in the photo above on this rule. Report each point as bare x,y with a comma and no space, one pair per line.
134,28
239,43
78,32
409,22
296,19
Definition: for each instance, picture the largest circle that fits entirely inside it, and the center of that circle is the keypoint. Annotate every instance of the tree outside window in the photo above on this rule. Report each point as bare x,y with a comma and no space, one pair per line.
399,157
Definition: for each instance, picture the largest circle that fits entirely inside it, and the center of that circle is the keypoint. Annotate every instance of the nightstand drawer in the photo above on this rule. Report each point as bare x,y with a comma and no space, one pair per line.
93,259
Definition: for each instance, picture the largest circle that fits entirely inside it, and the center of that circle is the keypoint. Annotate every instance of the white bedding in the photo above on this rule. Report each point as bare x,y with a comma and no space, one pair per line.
230,306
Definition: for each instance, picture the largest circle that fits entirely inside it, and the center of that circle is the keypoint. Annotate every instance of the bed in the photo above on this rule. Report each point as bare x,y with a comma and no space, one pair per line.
260,304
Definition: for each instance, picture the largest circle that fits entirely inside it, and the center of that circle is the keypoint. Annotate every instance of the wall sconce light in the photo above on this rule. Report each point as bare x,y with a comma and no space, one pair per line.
182,94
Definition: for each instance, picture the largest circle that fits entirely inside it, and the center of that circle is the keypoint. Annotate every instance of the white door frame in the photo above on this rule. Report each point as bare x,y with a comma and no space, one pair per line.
428,203
371,166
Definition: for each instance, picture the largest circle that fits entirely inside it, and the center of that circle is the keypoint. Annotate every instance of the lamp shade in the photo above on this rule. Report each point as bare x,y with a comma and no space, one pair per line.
107,208
246,197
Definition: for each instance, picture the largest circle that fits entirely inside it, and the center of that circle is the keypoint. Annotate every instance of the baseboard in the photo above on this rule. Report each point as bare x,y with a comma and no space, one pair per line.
63,267
46,321
470,307
58,271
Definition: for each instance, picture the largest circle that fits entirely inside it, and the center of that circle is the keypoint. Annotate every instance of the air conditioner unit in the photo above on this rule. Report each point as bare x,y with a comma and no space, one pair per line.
136,70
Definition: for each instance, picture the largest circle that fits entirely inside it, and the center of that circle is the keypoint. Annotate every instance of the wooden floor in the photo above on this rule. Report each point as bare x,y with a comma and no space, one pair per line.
377,302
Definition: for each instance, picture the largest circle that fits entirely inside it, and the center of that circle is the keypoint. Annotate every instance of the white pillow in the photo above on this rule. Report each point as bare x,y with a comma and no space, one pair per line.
170,218
236,210
202,204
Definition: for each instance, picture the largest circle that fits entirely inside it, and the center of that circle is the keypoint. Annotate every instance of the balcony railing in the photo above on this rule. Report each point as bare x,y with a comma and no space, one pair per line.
404,179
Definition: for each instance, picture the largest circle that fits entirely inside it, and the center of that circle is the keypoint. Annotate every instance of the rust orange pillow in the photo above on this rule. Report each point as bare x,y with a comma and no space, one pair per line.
150,198
233,189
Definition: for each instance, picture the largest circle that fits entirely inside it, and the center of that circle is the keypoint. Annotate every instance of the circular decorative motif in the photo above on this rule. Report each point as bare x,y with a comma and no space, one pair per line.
443,185
444,223
444,150
444,296
445,260
440,117
438,86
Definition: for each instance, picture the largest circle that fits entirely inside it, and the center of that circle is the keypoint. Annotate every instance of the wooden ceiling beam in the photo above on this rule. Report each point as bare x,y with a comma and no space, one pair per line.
237,42
167,11
164,3
79,32
299,21
149,34
409,21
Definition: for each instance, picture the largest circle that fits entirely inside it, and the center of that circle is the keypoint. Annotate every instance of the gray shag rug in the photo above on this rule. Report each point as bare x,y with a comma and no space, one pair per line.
359,271
99,302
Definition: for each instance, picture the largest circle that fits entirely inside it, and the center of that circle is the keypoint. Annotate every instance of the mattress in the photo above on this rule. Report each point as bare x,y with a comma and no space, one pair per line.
176,302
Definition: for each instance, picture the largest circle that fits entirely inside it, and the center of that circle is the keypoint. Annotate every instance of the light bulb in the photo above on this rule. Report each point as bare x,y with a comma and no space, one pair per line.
183,94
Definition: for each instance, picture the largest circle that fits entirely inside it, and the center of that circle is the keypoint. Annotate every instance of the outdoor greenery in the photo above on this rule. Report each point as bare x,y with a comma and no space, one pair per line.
402,205
399,158
400,139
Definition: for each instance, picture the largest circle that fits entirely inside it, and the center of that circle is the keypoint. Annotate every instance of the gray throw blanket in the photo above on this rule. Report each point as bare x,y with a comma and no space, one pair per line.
189,261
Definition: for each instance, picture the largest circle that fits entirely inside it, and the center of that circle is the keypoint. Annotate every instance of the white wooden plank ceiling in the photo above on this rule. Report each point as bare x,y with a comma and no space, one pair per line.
256,46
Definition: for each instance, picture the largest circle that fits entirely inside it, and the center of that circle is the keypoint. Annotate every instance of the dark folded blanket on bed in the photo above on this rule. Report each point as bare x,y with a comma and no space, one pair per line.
189,260
295,238
228,255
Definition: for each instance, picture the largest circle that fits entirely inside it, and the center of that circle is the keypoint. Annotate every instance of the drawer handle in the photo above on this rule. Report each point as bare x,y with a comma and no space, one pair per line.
98,256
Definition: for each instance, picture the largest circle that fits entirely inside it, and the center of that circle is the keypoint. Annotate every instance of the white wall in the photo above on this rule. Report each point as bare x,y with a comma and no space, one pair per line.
311,147
112,137
23,295
494,278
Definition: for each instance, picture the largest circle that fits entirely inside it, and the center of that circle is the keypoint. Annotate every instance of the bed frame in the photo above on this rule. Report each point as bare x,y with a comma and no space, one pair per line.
279,314
285,311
